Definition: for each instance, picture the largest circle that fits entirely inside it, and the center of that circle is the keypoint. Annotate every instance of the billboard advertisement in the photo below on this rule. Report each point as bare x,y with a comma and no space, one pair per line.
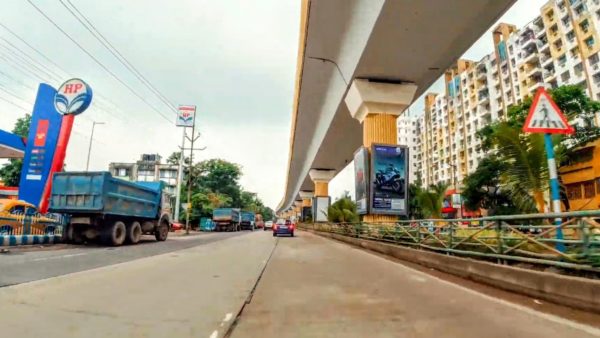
186,116
361,180
41,145
389,179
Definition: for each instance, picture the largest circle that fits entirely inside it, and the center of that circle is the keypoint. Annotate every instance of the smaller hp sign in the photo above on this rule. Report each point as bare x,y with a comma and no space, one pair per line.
186,116
73,97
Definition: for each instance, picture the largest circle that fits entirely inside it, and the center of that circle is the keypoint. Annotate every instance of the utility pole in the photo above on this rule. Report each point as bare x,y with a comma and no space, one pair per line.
180,177
190,177
87,165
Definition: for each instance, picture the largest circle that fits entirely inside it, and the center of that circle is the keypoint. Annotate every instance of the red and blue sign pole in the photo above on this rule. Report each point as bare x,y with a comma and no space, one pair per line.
546,117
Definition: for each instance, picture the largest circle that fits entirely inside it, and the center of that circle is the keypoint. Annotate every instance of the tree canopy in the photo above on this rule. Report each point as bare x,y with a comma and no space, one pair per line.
215,184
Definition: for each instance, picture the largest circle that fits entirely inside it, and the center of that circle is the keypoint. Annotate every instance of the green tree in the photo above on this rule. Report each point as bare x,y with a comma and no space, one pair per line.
219,176
430,200
525,177
482,188
10,173
343,210
413,191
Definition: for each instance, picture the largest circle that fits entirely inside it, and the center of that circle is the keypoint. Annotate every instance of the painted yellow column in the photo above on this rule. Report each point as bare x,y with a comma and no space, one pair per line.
321,189
321,178
377,106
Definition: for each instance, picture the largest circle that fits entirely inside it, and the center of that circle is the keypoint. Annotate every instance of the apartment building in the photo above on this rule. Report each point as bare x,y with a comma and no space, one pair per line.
558,47
147,169
407,136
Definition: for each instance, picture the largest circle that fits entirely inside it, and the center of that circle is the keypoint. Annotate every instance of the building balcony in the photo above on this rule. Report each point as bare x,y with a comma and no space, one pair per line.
545,59
531,57
549,75
534,70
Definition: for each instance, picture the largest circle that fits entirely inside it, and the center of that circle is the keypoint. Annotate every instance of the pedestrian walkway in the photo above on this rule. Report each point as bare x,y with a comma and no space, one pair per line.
316,287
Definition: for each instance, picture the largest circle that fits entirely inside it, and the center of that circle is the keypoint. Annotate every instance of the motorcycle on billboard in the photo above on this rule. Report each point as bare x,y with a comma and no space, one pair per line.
389,177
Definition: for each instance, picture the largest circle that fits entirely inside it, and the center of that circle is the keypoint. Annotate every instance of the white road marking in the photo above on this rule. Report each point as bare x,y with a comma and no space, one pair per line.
418,279
228,317
578,326
59,257
215,334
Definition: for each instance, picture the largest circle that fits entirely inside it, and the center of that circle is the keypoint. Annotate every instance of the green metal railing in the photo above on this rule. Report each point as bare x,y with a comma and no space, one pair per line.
526,238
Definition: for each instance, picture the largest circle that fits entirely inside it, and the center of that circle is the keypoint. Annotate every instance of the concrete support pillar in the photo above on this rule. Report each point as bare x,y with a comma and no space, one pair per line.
377,105
321,178
306,197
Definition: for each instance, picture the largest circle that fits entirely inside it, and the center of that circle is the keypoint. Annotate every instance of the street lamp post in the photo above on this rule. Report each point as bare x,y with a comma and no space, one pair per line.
87,165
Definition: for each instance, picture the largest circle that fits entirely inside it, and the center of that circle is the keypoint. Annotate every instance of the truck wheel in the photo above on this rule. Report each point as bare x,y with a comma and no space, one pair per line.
134,232
162,232
114,234
74,235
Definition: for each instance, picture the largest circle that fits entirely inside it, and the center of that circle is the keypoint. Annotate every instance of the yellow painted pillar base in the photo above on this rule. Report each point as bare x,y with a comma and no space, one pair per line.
383,219
321,189
306,202
379,128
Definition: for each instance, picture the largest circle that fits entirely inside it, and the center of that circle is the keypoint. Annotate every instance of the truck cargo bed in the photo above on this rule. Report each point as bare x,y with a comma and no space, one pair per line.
99,192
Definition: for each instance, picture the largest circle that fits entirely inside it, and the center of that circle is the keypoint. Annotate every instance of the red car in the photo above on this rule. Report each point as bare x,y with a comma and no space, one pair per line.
176,226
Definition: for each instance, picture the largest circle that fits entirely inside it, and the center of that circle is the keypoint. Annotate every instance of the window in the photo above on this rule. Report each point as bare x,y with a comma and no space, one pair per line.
122,172
574,191
562,60
579,69
585,25
571,36
558,44
589,191
590,42
565,76
575,52
580,9
565,21
168,174
594,59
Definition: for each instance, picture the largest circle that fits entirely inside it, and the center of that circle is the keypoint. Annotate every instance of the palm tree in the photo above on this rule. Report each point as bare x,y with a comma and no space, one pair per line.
526,175
430,200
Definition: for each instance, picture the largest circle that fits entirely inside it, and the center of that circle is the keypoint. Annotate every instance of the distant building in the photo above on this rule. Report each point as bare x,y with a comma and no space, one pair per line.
147,169
407,136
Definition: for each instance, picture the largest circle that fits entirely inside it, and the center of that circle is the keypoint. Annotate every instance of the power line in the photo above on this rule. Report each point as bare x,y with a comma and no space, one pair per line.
37,51
97,61
15,104
28,63
115,52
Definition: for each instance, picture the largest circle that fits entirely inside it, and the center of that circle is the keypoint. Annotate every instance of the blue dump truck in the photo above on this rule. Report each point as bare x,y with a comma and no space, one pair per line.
227,219
248,220
114,210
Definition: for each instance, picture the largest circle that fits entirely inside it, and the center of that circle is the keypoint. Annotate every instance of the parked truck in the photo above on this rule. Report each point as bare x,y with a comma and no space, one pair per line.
248,220
114,210
227,219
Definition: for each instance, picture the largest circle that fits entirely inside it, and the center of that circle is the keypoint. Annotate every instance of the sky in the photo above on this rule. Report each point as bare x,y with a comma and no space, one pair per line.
235,60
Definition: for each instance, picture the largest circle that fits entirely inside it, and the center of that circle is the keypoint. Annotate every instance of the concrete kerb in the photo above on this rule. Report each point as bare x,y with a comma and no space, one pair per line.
574,292
12,240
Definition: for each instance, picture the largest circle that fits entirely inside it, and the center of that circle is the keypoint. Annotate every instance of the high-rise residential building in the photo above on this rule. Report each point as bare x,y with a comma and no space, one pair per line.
558,47
148,169
407,136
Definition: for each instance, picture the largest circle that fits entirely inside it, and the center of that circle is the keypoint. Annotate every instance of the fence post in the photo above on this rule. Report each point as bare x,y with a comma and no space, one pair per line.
419,223
451,239
585,238
499,239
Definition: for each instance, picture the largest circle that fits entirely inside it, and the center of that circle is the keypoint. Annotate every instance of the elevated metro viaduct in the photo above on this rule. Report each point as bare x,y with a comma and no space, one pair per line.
361,63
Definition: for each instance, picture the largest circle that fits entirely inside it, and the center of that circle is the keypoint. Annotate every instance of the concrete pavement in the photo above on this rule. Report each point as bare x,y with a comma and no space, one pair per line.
314,287
189,293
28,264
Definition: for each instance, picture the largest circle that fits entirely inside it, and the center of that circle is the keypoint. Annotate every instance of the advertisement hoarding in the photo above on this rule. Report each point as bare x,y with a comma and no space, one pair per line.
320,208
389,179
361,180
186,116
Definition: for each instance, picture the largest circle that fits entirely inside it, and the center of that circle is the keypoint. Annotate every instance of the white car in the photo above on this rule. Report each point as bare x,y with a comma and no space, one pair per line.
268,225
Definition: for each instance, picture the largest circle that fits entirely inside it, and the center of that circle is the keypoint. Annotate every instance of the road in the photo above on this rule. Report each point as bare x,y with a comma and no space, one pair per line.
21,265
255,285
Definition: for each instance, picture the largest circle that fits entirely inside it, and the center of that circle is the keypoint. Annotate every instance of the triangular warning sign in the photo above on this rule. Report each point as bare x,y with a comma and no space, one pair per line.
546,117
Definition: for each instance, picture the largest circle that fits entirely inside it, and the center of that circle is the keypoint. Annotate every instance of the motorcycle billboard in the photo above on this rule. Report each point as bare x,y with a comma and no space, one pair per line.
361,179
389,176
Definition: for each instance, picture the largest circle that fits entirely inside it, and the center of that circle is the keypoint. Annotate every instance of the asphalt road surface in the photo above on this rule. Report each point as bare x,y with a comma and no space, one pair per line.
22,265
254,285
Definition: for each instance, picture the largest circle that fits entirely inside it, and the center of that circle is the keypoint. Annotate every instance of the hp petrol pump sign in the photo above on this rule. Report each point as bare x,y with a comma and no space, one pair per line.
186,116
73,97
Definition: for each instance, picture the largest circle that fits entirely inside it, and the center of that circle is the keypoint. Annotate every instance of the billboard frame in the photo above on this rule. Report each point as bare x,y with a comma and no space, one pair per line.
378,211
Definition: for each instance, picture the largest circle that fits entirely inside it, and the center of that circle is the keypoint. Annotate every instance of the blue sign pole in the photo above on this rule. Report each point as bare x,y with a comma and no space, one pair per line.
554,190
